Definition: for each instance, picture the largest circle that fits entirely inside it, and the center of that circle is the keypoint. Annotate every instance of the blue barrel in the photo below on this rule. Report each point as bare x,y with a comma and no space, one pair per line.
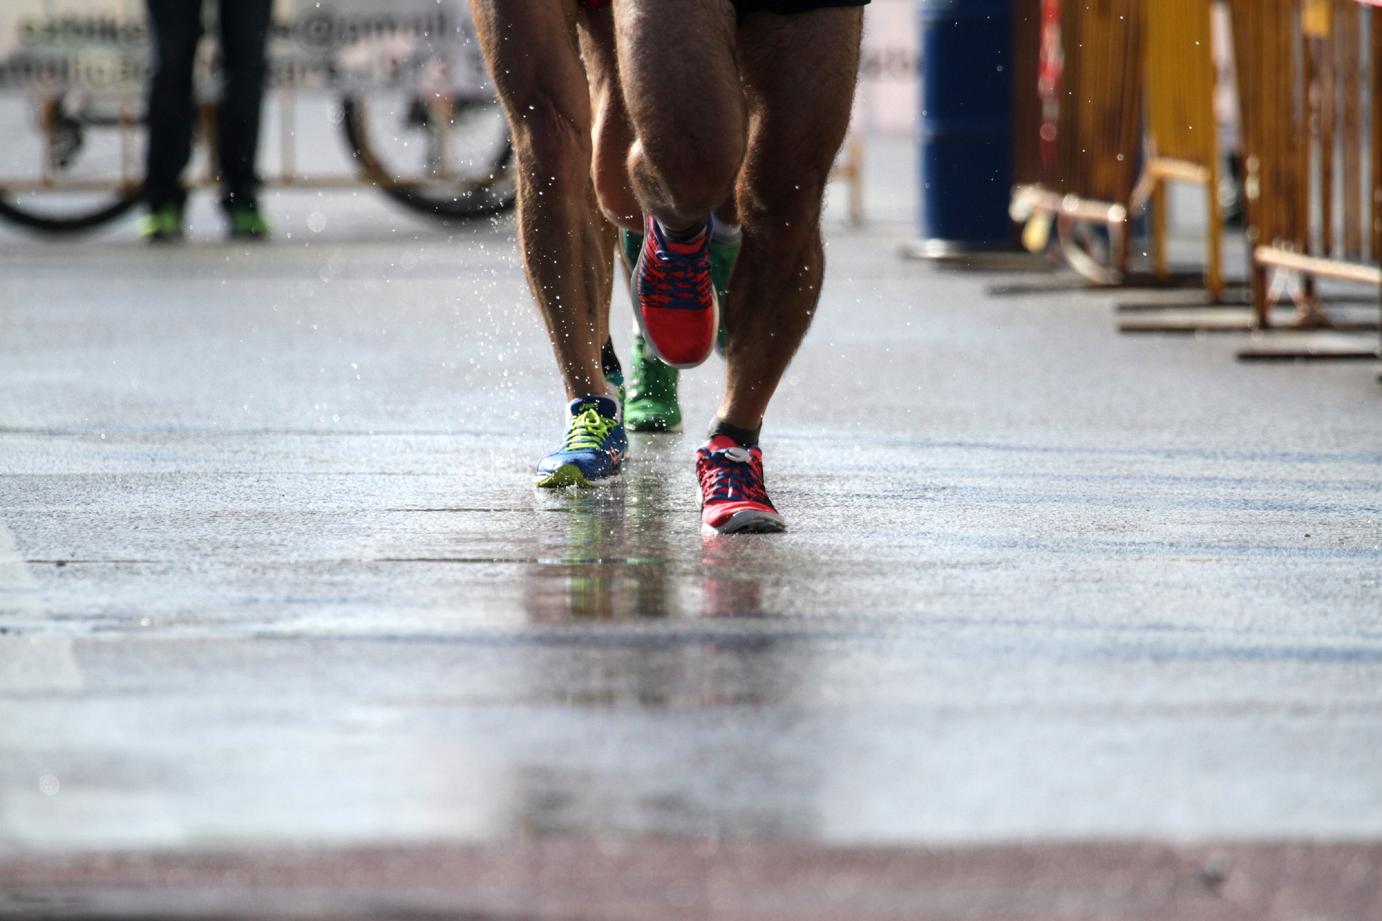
966,124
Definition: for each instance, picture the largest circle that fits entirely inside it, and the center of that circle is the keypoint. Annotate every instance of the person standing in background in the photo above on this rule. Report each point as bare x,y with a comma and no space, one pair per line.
177,27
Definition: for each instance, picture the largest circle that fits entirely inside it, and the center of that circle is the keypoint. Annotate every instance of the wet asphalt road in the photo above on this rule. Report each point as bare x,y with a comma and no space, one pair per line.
273,581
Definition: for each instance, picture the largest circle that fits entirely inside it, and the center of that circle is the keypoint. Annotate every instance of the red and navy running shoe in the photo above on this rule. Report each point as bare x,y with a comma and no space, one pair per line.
674,297
733,497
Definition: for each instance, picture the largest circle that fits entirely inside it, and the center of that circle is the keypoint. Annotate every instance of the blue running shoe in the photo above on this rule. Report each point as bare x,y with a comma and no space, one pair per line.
594,448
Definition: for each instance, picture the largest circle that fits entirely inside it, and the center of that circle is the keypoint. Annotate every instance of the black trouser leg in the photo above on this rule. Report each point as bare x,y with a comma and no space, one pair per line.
244,29
176,26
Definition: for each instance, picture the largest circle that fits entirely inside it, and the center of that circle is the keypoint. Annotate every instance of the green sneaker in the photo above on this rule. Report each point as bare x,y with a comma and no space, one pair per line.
630,244
246,223
723,258
652,393
161,225
615,379
651,405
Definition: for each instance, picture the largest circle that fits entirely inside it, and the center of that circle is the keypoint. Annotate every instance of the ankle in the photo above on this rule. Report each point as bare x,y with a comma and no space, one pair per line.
609,362
726,234
746,437
690,234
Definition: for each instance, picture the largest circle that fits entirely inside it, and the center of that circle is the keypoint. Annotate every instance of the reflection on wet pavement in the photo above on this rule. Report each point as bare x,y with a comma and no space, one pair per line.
613,557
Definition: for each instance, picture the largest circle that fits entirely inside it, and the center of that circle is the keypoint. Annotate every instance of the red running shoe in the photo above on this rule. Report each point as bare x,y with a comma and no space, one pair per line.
674,297
733,497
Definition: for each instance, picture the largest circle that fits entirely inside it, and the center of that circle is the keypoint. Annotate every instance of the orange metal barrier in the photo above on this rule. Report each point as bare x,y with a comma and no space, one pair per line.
1308,75
1089,131
1303,76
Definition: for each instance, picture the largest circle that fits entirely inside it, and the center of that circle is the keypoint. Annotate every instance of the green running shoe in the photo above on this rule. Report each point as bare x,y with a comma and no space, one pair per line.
630,245
723,258
652,404
246,223
618,392
162,224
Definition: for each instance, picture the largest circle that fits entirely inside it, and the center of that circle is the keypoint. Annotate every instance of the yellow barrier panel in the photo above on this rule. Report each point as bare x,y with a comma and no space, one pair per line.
1182,135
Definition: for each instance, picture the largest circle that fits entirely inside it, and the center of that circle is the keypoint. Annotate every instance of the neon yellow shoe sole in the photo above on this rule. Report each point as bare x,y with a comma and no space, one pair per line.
565,476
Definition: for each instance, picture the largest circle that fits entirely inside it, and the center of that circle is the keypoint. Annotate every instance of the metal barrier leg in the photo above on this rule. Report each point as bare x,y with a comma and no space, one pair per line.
1260,295
1159,199
1214,236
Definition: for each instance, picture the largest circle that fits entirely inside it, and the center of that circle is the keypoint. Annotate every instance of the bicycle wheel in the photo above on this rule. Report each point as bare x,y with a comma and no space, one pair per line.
446,157
46,216
66,174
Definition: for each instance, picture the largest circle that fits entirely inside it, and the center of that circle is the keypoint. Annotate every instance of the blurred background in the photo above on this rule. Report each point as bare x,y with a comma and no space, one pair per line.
1109,136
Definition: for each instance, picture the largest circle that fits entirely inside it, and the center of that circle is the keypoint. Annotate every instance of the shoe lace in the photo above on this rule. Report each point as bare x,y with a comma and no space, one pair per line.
675,280
588,430
726,479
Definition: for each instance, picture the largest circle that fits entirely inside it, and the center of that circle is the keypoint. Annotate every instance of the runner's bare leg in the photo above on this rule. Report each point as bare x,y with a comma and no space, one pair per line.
614,130
798,74
613,135
533,52
681,86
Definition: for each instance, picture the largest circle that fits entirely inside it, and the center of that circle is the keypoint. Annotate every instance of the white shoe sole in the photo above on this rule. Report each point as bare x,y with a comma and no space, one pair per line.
652,343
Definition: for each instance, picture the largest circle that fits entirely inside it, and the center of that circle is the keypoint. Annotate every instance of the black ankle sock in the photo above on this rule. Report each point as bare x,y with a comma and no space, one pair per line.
746,437
609,362
684,236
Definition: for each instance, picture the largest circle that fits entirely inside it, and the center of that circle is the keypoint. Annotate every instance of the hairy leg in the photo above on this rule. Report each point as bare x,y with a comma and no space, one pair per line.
611,135
533,52
681,87
613,130
799,73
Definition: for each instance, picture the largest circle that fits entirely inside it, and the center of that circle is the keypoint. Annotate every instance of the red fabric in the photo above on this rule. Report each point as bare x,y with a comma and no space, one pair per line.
683,337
